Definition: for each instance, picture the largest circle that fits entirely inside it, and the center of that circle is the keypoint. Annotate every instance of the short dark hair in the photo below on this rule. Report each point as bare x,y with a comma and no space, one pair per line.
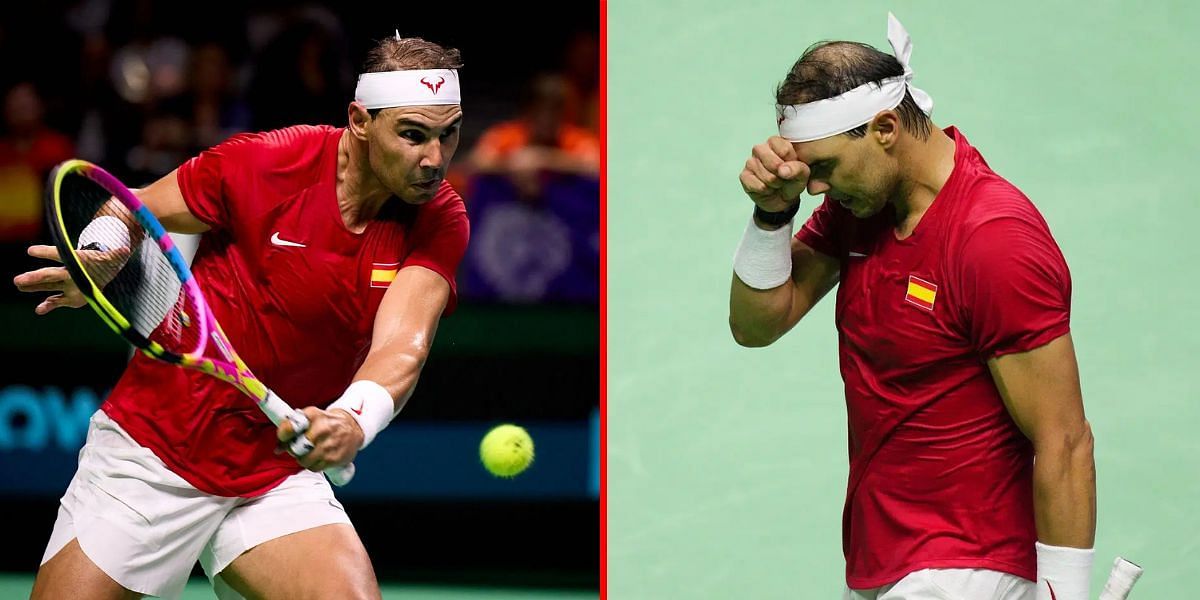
406,54
828,69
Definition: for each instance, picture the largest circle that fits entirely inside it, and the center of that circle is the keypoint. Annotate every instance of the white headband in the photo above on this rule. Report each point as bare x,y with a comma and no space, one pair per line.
831,116
427,87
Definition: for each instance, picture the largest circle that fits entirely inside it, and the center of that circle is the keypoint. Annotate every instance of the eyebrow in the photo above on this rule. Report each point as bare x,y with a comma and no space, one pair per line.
405,122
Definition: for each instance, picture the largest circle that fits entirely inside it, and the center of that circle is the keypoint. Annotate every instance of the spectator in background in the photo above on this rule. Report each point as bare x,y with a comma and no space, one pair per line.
106,123
298,79
541,142
147,73
211,107
581,67
534,204
167,141
28,150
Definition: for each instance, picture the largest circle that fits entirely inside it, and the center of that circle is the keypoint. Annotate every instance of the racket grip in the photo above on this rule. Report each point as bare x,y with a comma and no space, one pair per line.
278,411
1120,581
300,445
340,476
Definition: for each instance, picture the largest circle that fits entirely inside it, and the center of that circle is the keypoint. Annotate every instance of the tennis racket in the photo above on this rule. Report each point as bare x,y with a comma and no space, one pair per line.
134,277
1120,581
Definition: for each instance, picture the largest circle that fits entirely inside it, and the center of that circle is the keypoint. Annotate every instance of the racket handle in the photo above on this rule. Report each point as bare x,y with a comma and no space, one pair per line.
340,476
279,411
1120,581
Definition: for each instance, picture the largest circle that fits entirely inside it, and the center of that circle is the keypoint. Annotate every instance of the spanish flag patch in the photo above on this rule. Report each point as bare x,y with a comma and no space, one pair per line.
920,292
382,274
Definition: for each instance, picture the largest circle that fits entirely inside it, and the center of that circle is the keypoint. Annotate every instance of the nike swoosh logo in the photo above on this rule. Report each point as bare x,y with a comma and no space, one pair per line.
358,411
278,241
857,255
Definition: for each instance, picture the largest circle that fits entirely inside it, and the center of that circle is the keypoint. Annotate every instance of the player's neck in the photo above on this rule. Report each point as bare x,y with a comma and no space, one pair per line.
929,164
360,194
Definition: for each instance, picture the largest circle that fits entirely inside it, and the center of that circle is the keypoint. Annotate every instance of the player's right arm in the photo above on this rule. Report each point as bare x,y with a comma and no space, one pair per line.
774,178
163,198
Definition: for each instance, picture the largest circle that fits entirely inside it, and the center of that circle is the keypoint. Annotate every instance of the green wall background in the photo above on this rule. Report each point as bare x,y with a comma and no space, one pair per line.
727,466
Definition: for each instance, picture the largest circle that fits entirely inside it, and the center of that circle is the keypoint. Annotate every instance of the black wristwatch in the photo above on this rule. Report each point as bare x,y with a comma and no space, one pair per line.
776,219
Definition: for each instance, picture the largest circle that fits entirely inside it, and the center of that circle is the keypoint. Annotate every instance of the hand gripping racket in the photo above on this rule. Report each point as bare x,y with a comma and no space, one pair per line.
128,268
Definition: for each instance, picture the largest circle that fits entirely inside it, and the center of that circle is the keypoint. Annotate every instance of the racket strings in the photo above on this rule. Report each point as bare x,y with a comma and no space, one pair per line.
127,264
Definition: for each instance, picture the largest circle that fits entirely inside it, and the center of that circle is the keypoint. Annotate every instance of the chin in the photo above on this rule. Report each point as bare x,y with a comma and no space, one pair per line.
863,210
416,196
416,200
867,211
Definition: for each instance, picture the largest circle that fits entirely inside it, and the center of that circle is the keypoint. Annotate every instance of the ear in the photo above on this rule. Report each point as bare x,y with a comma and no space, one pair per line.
885,128
358,118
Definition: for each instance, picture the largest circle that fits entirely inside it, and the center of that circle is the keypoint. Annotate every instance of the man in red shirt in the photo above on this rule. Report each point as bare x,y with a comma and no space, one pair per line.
542,140
328,256
28,150
953,317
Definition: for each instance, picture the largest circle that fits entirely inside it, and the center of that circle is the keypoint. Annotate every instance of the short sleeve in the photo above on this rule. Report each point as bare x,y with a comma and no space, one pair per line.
202,181
438,241
824,229
1015,287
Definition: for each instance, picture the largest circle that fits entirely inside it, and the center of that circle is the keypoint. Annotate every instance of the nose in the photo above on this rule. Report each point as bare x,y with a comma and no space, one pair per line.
817,187
431,154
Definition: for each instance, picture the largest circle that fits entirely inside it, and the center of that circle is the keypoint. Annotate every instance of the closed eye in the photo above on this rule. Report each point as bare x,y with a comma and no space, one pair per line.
820,169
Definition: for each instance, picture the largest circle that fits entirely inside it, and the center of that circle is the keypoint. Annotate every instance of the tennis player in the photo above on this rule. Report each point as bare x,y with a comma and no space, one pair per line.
328,255
971,467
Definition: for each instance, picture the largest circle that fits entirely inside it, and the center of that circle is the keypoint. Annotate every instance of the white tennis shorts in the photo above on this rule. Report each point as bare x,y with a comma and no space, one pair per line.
951,584
146,527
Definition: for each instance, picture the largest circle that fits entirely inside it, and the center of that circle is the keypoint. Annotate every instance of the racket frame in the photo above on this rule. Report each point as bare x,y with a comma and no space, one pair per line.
233,369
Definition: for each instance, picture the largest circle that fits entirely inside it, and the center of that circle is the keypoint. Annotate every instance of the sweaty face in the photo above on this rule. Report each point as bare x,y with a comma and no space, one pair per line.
410,148
852,171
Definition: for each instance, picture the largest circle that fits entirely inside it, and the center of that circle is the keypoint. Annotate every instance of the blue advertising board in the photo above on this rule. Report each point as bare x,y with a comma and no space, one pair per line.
43,427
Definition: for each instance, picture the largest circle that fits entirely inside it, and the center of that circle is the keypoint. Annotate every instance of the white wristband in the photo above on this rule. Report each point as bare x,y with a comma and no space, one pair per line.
1064,573
370,404
764,258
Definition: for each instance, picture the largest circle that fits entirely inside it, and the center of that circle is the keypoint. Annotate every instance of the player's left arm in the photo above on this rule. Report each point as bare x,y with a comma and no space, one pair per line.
1041,390
1016,292
1042,393
403,332
404,329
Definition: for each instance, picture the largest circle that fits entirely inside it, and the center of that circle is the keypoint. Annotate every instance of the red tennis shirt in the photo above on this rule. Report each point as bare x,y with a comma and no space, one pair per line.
940,476
295,291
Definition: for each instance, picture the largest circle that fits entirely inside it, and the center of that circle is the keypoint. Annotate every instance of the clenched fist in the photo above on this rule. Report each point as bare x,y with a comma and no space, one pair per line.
773,177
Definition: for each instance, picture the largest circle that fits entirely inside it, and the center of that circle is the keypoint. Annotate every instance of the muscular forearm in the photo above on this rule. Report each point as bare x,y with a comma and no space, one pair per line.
777,278
396,367
758,317
1064,482
762,292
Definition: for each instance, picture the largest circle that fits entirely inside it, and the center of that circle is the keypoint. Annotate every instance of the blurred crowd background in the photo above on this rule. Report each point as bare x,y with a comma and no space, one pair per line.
138,87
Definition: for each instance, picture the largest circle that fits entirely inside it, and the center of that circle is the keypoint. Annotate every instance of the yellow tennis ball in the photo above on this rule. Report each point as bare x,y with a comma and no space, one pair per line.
506,450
